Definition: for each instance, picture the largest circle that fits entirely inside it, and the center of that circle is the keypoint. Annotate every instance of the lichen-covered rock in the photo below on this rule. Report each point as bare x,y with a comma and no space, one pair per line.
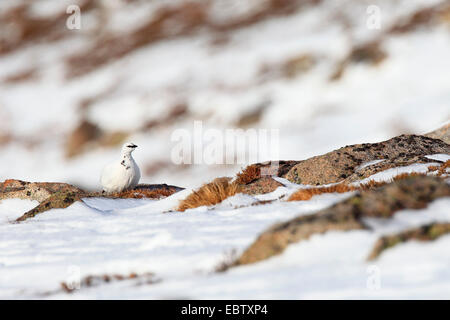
144,191
441,133
261,186
257,178
62,195
371,169
343,163
351,163
33,190
427,232
58,200
413,192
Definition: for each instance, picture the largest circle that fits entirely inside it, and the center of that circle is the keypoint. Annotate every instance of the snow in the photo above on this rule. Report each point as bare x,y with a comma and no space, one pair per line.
219,84
105,236
389,174
439,157
238,200
11,209
369,163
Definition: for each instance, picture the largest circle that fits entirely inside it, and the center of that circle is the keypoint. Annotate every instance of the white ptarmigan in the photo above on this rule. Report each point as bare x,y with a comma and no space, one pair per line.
121,175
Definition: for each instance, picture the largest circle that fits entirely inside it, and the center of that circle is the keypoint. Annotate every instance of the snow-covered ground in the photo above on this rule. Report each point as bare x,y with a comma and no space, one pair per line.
219,82
102,236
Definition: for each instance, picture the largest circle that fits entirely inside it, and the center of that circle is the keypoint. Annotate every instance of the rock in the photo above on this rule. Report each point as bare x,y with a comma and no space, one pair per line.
257,178
345,163
147,191
429,232
441,133
62,195
261,186
33,190
413,192
369,170
50,195
341,164
58,200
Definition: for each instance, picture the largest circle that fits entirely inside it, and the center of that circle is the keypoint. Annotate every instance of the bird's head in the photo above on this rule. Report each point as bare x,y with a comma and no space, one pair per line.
128,148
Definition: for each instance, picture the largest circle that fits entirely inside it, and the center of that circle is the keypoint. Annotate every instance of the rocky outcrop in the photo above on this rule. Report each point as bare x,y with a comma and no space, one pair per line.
143,191
62,195
342,164
58,200
257,178
413,192
441,133
261,186
351,163
34,190
424,233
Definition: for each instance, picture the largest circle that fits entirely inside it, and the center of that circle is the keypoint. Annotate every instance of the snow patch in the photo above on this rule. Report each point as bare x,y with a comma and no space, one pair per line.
389,174
442,157
238,200
11,209
370,163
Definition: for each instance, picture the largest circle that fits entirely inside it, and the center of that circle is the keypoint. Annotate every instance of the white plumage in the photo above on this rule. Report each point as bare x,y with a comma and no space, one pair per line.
123,174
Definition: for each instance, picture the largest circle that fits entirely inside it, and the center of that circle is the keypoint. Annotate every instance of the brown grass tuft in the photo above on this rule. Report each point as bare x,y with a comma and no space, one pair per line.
433,168
210,194
306,194
249,174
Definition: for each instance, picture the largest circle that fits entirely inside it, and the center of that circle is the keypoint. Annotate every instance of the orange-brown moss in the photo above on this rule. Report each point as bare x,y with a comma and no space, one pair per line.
8,182
306,194
443,168
433,168
210,194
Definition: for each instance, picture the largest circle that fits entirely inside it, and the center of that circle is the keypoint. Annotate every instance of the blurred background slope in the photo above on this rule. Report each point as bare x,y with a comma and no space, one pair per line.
137,70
